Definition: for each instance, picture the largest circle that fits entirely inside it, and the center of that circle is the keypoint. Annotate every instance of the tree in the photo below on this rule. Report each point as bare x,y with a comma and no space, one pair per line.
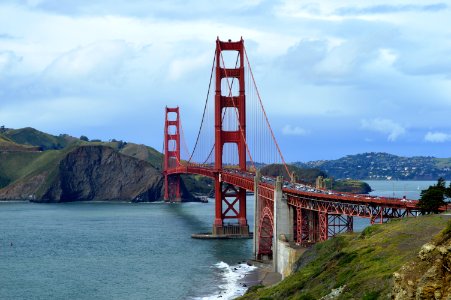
432,198
448,191
84,138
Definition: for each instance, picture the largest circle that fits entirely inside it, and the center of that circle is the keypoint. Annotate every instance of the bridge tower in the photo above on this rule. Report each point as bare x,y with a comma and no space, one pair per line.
171,154
230,201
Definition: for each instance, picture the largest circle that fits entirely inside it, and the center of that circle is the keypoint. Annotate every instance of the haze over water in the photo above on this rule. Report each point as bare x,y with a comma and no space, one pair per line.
126,251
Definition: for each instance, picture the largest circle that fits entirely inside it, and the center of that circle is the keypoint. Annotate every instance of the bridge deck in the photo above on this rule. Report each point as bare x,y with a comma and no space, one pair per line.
293,191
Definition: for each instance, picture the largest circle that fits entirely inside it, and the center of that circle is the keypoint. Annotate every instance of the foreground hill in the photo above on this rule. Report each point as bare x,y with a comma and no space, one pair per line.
376,165
397,260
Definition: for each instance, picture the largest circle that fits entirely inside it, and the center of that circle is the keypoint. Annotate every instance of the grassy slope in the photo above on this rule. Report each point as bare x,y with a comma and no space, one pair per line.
7,144
443,163
304,175
4,139
351,186
33,137
15,166
143,152
363,262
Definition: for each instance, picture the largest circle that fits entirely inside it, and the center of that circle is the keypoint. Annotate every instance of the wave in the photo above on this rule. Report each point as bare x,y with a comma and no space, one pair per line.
232,281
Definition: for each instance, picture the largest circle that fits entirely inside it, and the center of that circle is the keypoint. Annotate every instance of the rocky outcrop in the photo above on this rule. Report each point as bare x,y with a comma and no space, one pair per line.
429,275
91,172
101,173
24,189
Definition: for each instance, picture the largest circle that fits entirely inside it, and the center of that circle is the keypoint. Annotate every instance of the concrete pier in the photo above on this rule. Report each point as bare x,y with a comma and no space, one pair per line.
281,222
257,210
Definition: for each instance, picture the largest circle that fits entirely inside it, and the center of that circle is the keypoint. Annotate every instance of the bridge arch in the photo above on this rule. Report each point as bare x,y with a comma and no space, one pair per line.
266,233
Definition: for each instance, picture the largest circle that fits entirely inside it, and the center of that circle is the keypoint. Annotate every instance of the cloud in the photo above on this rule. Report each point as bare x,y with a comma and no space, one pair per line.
386,126
139,56
6,36
294,130
437,137
8,60
99,61
180,67
387,9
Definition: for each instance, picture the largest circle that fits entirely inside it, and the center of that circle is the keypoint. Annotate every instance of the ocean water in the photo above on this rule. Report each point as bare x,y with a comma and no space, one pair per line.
116,251
394,188
129,250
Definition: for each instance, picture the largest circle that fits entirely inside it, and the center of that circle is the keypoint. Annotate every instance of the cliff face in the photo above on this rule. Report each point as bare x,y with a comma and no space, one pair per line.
428,276
70,169
101,173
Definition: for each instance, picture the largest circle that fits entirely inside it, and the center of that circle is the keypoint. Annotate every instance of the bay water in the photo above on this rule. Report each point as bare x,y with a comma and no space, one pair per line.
88,250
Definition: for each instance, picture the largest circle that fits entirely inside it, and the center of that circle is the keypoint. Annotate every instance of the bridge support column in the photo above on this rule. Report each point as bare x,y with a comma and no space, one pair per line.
171,154
323,226
230,201
281,222
229,204
257,215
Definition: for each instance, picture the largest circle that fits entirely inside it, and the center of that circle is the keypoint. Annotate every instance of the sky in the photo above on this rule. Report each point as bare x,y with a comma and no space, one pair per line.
336,77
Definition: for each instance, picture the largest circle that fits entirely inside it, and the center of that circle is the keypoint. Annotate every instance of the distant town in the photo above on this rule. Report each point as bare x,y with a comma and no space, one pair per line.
384,166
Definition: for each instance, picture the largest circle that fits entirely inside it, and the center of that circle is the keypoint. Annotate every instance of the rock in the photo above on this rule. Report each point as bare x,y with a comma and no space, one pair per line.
427,276
101,173
425,250
334,293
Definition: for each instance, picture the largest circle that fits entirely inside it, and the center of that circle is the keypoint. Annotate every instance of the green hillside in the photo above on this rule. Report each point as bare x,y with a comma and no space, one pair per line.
361,263
309,175
15,166
32,137
30,161
382,166
302,174
143,152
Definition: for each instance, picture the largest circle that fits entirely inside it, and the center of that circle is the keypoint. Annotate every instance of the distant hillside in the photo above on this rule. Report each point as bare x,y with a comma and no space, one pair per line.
32,137
376,165
302,174
309,175
41,167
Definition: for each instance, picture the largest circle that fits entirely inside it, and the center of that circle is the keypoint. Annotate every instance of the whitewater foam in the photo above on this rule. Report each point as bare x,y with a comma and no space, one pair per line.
231,281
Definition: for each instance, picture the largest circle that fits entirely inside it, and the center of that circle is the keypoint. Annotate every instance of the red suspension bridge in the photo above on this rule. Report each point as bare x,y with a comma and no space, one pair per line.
234,134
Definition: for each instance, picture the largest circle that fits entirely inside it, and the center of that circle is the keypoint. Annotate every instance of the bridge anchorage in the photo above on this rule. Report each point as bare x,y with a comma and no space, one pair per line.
234,133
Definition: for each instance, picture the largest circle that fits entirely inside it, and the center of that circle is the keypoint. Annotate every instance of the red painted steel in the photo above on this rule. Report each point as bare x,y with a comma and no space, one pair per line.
339,224
265,234
226,208
323,226
171,155
318,214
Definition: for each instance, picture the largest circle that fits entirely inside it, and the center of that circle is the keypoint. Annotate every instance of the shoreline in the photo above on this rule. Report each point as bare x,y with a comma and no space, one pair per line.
263,274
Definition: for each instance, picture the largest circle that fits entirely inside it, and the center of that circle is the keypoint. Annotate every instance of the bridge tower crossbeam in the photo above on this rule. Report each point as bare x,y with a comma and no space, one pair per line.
172,154
230,201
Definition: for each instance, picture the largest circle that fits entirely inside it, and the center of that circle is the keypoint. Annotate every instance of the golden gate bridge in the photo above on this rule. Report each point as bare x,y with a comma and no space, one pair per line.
235,132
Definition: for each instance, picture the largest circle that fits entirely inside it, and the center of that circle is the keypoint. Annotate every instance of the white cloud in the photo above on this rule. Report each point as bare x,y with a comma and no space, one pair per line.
386,126
180,67
294,130
8,60
331,63
437,137
98,61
